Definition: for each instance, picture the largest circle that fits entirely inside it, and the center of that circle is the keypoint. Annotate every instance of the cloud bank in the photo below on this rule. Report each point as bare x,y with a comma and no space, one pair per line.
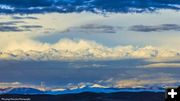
78,49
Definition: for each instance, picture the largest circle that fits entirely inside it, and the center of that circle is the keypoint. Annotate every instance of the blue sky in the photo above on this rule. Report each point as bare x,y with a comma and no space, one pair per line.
124,44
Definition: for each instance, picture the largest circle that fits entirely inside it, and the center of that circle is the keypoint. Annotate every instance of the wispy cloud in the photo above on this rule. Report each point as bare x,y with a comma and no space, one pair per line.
13,26
163,27
11,23
31,26
10,29
94,29
98,28
24,17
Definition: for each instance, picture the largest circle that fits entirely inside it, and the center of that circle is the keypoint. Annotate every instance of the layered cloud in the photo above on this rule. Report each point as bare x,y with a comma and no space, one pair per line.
148,80
58,36
17,26
142,83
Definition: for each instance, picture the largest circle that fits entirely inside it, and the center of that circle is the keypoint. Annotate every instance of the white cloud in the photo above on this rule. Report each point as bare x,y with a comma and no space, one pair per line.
81,49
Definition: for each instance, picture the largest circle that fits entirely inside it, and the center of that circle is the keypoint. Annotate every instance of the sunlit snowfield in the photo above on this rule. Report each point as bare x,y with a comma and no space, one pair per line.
97,49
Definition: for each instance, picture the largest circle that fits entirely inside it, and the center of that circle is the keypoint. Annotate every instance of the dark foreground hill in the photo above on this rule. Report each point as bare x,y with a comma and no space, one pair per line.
87,96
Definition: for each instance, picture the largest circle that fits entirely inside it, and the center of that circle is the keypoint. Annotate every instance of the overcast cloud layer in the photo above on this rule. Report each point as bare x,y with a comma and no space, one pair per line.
96,6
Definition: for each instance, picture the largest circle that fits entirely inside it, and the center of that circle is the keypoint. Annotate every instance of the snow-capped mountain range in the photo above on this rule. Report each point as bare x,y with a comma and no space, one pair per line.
95,88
